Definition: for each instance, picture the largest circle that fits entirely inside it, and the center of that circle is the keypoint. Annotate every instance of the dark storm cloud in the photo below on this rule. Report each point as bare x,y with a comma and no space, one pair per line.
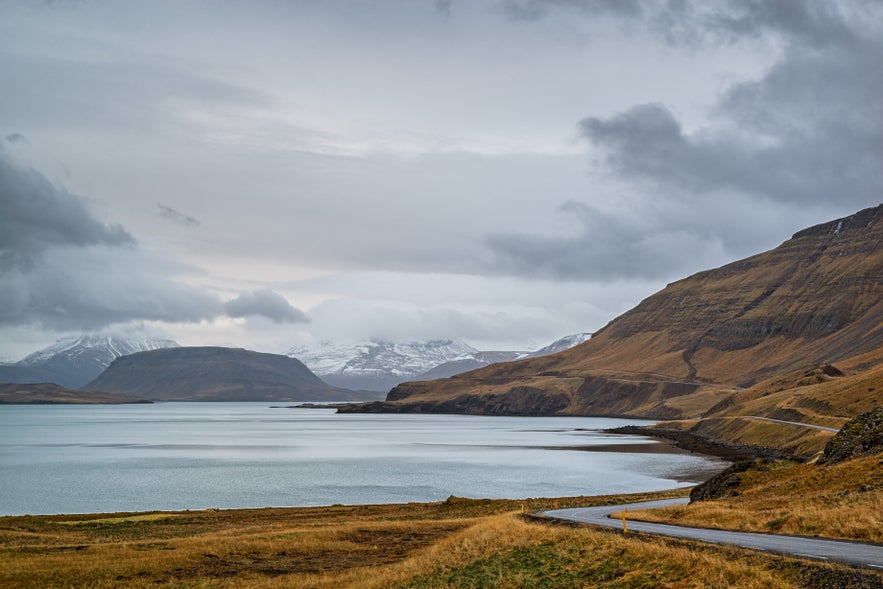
178,217
37,215
15,138
264,303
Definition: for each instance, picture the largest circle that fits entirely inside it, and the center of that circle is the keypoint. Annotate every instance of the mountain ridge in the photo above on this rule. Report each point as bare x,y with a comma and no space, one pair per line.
74,361
701,340
380,365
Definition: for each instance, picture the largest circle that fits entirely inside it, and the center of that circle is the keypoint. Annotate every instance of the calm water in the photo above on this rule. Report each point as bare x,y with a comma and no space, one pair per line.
170,456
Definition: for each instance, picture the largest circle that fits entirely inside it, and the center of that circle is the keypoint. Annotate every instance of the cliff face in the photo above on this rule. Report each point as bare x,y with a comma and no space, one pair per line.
215,374
814,299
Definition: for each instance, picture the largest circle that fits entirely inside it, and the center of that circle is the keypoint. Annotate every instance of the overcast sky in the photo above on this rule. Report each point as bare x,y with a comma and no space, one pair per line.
263,174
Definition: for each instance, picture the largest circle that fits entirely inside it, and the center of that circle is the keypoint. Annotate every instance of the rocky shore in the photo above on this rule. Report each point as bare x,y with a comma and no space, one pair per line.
702,444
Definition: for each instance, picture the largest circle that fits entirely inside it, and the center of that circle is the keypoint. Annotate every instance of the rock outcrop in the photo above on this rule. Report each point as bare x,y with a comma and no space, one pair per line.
860,437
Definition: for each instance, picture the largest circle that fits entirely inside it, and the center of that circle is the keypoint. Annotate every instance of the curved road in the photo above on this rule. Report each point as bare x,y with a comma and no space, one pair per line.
854,553
797,423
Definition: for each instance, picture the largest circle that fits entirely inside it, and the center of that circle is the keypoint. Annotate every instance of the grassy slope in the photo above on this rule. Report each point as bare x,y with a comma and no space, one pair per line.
455,543
840,501
816,298
805,396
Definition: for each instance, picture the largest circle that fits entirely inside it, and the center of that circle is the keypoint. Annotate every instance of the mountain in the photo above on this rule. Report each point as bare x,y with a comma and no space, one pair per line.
376,365
379,365
215,374
72,362
708,342
559,345
48,393
469,362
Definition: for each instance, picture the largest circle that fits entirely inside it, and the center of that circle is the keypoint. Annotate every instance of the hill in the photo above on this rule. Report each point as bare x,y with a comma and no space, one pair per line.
693,348
72,362
48,393
215,374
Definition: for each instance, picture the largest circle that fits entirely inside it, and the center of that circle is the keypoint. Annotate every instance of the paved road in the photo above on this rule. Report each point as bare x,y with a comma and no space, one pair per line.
854,553
809,425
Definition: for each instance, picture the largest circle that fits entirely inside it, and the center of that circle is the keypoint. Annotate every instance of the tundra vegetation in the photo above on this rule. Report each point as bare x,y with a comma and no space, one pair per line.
453,543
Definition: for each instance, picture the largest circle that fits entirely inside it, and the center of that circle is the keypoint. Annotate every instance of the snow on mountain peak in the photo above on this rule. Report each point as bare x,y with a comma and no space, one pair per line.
378,357
102,349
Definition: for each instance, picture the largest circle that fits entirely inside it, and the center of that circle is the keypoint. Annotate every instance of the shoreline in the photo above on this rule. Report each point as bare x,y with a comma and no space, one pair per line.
699,444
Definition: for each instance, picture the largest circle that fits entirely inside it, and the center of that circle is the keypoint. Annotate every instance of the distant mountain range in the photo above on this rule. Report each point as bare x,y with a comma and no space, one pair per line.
73,362
215,374
380,365
367,366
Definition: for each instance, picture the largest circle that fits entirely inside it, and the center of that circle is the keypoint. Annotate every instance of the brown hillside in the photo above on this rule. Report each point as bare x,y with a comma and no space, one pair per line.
693,346
48,393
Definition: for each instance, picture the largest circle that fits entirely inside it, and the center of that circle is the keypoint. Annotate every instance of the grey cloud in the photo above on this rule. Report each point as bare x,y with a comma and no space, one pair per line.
805,135
819,22
176,216
265,303
93,287
60,268
536,9
37,215
444,6
127,93
15,138
809,131
607,246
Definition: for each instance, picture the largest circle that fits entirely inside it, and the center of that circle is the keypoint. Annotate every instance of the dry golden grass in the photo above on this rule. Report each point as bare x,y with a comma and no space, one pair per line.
454,543
841,501
238,547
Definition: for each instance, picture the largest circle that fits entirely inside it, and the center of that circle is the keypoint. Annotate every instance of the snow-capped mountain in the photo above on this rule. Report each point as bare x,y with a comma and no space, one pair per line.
379,365
469,362
376,365
482,359
559,345
74,361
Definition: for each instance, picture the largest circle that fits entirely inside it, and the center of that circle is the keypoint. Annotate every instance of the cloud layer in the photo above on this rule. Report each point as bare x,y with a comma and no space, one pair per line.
264,303
509,169
63,269
804,135
38,215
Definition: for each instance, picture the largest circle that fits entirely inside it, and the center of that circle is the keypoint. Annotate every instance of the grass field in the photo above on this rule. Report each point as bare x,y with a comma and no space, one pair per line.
455,543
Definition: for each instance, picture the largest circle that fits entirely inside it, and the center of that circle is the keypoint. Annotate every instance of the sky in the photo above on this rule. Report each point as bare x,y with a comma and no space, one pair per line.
272,173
